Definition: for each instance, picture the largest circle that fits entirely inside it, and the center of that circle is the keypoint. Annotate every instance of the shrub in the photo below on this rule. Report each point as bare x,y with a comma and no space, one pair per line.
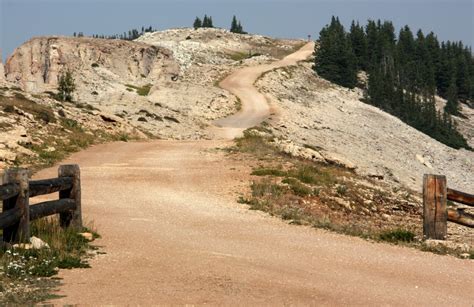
66,86
297,187
397,235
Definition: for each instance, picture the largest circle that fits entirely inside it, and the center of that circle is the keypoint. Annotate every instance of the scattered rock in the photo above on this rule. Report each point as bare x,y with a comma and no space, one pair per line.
37,243
171,119
460,247
87,235
109,118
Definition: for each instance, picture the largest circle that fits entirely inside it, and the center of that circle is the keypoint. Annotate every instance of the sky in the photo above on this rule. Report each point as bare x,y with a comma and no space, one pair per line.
23,19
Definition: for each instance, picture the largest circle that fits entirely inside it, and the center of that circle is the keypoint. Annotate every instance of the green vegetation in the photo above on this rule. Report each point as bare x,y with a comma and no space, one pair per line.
336,61
141,90
240,56
23,270
236,26
128,35
398,235
206,22
66,86
404,73
328,196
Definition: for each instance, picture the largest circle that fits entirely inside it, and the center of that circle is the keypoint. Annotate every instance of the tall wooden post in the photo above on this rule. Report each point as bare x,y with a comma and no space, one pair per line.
20,231
72,218
435,214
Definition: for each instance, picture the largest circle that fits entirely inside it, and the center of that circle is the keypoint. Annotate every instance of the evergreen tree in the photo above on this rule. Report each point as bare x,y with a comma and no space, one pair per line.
66,86
359,45
234,27
205,22
335,60
452,104
197,23
404,74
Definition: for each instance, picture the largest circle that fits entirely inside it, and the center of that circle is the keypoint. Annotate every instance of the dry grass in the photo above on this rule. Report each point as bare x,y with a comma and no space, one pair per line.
24,272
328,196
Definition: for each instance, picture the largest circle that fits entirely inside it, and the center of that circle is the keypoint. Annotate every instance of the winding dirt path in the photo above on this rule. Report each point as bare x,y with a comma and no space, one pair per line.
255,108
173,233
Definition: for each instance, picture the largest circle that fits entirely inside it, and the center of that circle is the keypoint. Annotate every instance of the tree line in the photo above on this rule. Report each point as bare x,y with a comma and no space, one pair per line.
404,73
206,22
127,35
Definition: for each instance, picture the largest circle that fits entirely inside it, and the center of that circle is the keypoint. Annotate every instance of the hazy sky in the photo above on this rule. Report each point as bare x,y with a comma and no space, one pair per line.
23,19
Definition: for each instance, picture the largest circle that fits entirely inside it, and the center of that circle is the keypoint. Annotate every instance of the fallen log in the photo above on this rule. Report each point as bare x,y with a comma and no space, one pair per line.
51,207
48,186
461,197
9,190
460,217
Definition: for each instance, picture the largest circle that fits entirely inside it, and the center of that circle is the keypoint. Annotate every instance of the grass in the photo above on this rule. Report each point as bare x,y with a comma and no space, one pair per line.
28,269
328,196
140,90
297,187
39,112
397,236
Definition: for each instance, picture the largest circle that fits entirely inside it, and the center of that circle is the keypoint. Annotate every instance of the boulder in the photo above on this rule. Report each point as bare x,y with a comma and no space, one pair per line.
37,243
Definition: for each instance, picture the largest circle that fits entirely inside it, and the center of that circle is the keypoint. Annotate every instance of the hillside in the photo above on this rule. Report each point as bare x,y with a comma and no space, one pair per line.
308,153
165,83
313,113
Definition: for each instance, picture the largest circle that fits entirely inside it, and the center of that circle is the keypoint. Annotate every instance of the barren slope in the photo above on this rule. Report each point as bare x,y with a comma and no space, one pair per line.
333,121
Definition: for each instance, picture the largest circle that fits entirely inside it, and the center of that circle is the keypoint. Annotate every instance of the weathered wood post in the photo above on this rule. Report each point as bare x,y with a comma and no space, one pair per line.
435,214
20,231
71,218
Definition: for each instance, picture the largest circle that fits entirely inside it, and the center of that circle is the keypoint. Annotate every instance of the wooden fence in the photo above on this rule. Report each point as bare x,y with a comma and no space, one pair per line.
436,213
17,191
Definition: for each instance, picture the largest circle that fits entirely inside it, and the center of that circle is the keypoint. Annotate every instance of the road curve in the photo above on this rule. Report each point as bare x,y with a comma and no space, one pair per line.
255,108
174,234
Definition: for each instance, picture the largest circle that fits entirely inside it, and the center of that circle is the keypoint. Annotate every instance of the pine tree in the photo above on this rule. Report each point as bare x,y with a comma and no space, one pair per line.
234,27
66,86
335,59
452,104
197,23
359,45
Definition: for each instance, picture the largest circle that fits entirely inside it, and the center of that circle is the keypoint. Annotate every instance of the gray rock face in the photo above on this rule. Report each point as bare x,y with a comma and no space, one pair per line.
36,65
2,71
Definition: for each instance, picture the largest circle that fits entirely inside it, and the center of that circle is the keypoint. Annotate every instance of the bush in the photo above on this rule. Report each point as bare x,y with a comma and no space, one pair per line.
66,86
297,187
397,235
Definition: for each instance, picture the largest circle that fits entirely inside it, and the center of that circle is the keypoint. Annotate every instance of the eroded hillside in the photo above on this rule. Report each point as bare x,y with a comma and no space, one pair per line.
320,120
164,83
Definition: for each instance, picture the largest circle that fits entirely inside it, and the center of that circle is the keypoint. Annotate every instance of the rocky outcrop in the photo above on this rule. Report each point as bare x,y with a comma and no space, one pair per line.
97,64
2,71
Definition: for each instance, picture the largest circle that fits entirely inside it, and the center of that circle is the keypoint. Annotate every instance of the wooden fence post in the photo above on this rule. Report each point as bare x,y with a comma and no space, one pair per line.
20,231
72,218
435,214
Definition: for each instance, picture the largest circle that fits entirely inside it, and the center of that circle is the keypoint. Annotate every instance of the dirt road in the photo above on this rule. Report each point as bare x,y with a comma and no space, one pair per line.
255,108
173,233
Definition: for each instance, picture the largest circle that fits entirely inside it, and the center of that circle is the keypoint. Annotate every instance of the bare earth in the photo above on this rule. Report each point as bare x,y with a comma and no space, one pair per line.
173,233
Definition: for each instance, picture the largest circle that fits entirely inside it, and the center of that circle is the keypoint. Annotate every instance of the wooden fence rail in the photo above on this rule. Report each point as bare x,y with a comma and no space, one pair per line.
436,213
18,189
